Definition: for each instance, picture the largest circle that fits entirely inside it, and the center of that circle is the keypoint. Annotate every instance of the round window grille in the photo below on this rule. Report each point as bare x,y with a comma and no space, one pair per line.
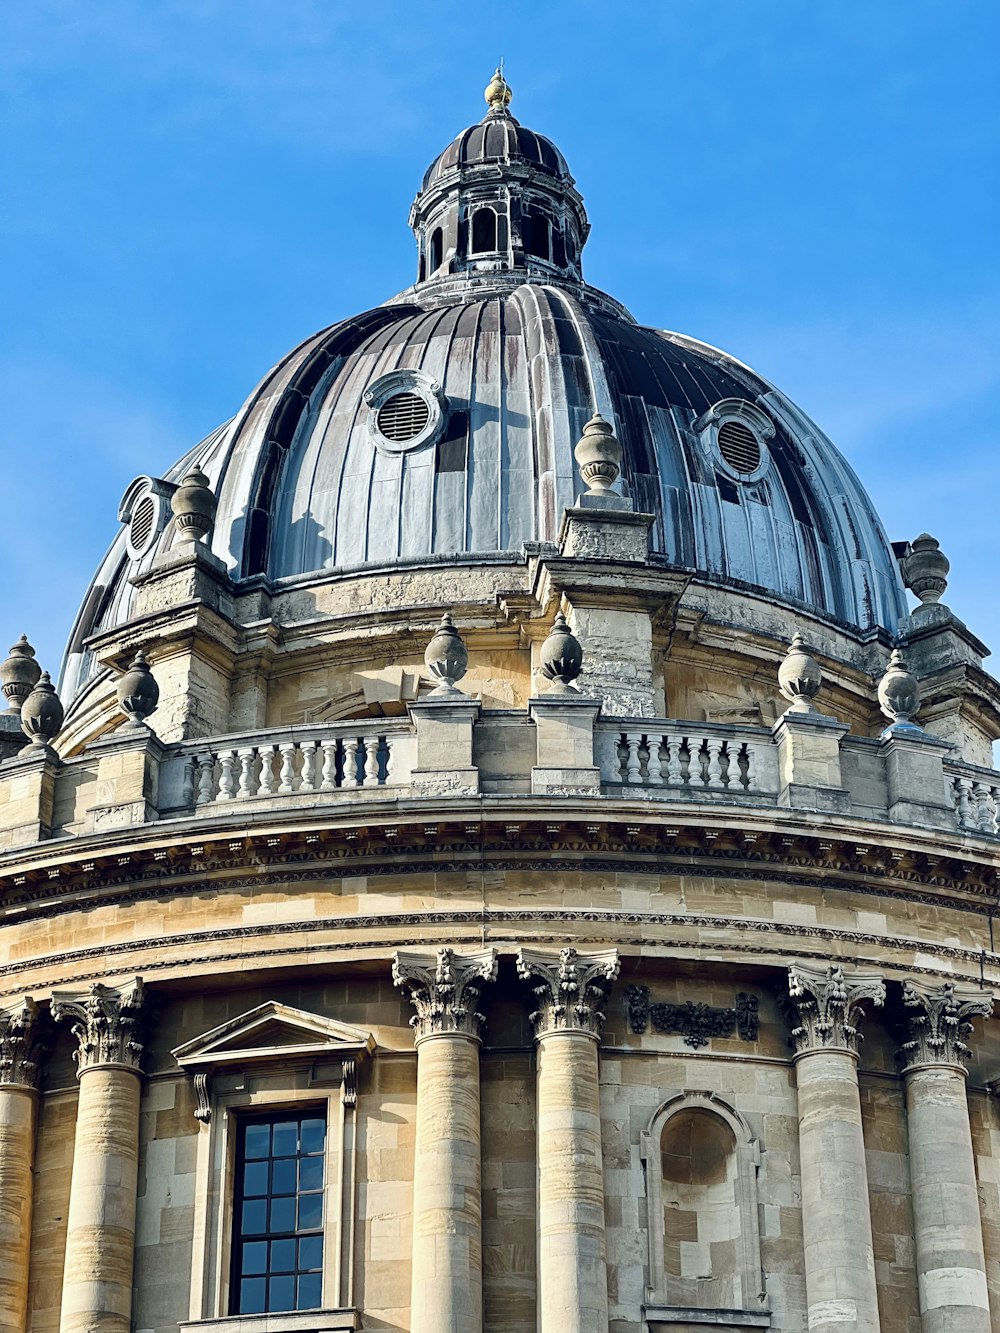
402,417
141,527
740,447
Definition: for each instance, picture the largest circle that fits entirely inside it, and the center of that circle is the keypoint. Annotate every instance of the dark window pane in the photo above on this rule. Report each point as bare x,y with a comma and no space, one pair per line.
285,1142
254,1217
311,1252
255,1178
258,1141
311,1173
283,1214
310,1292
255,1257
310,1212
252,1295
281,1293
313,1135
283,1176
282,1256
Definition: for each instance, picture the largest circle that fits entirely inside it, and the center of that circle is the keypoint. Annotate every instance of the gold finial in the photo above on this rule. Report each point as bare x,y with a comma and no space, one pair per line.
498,92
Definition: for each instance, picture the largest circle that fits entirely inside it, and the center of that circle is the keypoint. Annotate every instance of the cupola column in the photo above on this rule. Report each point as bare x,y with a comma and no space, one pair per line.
836,1219
100,1229
951,1268
447,1274
18,1113
569,993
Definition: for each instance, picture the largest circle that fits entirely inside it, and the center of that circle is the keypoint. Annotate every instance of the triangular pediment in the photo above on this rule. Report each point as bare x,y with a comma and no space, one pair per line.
273,1031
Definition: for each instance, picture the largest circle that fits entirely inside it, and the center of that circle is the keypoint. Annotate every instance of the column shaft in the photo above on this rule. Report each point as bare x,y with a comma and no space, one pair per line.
447,1290
100,1233
17,1152
836,1218
951,1267
572,1267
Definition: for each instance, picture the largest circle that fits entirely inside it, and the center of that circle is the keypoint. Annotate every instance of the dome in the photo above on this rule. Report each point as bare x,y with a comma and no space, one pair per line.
441,425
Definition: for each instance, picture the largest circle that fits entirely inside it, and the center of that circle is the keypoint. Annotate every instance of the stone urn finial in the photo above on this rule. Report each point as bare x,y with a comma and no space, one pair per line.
899,697
19,674
799,677
599,456
194,505
561,658
925,569
137,692
446,657
42,713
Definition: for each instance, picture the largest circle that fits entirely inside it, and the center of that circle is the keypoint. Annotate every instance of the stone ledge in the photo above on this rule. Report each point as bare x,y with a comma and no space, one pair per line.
671,1315
298,1321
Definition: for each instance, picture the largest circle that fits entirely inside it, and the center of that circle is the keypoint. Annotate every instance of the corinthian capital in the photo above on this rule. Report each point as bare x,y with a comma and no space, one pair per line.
20,1042
939,1018
570,989
444,988
826,1005
106,1023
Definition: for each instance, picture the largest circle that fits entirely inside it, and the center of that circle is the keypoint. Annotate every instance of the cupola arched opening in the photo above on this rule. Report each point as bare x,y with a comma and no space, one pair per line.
484,231
436,250
536,234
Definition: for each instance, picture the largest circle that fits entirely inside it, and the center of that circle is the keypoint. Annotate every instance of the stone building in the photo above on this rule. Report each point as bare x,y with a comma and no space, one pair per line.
498,782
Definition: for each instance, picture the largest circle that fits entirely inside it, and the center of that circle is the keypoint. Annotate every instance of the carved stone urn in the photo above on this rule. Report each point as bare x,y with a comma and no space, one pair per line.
561,657
899,697
137,692
42,713
925,569
446,657
19,674
599,456
799,677
194,505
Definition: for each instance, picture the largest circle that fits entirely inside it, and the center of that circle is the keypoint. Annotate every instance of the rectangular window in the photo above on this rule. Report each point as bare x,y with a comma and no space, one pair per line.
278,1218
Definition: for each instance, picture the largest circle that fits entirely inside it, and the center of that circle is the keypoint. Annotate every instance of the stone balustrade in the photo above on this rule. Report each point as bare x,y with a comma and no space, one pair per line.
130,777
286,762
687,760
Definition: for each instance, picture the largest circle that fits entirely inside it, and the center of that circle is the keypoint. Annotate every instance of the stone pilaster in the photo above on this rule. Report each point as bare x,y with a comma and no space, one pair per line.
100,1231
19,1048
836,1219
570,991
447,1284
951,1267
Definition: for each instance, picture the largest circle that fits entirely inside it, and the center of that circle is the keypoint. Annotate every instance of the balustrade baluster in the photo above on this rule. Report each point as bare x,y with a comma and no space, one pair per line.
206,777
351,761
287,779
265,787
187,782
329,775
245,789
390,759
307,781
675,778
633,739
714,763
751,775
371,761
963,800
654,767
985,808
227,779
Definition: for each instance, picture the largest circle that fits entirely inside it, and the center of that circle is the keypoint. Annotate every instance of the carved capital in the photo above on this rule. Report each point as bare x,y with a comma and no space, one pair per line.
21,1042
938,1019
106,1023
444,988
570,988
825,1006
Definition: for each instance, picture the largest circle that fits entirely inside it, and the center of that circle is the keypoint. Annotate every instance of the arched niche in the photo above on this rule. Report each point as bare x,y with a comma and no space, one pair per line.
701,1163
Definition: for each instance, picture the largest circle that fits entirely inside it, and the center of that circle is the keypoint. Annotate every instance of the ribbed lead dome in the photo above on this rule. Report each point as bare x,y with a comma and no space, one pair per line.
441,425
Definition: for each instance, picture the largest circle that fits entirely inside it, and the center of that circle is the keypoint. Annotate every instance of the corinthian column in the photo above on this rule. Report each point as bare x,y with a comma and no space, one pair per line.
570,991
447,1274
836,1219
18,1050
100,1229
951,1268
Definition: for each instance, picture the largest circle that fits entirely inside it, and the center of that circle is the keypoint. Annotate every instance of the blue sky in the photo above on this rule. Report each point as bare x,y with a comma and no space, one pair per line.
192,188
